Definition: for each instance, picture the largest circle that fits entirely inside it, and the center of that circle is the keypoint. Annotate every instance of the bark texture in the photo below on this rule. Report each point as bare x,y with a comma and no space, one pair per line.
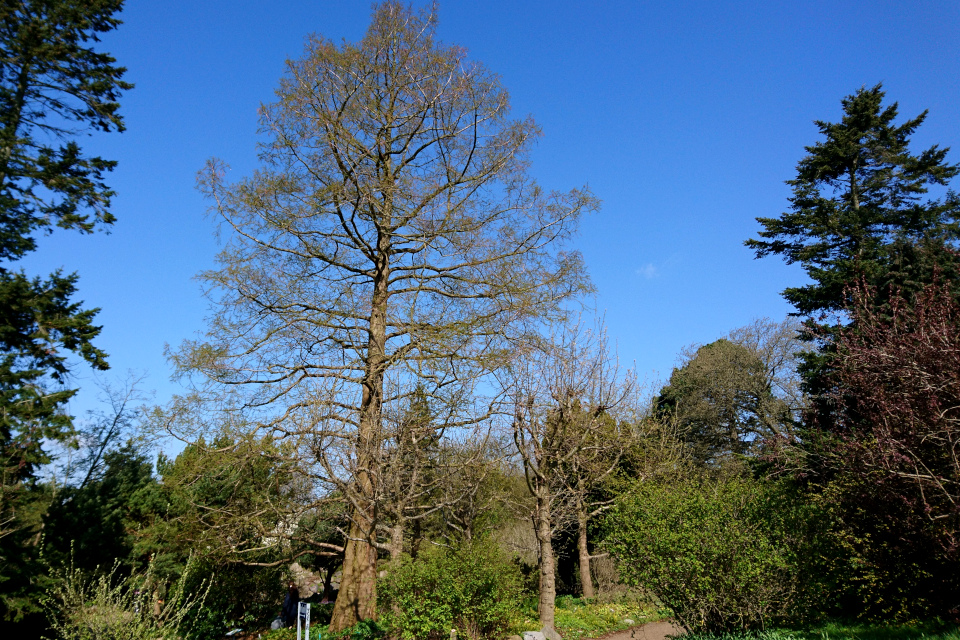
586,578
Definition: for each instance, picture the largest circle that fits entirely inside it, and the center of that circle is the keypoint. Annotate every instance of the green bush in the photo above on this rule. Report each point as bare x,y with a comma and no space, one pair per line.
717,551
930,630
239,597
473,588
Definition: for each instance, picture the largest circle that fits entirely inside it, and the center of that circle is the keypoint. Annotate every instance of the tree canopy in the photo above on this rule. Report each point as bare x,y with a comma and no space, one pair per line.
733,395
393,240
858,204
54,84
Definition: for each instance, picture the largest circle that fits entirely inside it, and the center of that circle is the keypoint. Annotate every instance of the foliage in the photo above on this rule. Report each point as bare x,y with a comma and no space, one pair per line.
731,397
213,503
106,606
473,588
363,630
897,381
48,78
857,199
53,85
590,618
722,401
876,457
52,78
96,522
239,596
857,212
283,633
885,461
713,550
23,569
932,630
221,499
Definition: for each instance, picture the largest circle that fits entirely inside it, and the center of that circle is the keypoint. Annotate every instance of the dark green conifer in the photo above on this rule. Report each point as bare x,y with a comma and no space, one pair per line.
858,208
54,84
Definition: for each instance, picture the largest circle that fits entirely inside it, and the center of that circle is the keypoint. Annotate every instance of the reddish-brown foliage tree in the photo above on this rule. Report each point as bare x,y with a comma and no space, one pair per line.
892,446
898,394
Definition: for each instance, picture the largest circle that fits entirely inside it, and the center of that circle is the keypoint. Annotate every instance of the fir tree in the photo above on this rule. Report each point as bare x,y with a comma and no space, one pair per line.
53,85
858,207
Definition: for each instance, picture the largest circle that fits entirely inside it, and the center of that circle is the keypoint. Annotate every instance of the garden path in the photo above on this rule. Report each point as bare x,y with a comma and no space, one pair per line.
649,631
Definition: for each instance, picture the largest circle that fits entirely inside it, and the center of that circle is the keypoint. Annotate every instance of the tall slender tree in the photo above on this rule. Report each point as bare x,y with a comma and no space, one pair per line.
54,84
393,240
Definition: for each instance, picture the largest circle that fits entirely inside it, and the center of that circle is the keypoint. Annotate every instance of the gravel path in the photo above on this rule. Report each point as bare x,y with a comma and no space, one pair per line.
649,631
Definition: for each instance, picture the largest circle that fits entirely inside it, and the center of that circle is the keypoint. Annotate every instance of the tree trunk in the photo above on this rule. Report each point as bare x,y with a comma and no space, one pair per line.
586,580
327,583
548,576
417,538
357,599
396,540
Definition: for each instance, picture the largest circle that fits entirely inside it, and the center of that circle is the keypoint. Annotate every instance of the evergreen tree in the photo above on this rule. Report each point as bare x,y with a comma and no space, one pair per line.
858,207
872,242
52,82
53,85
96,522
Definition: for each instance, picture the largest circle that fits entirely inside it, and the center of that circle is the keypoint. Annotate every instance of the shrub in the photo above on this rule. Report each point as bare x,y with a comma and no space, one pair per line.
107,607
717,551
473,588
240,596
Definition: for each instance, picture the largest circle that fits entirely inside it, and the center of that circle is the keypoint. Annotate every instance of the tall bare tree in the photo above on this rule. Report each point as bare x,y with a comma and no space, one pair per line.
393,228
571,402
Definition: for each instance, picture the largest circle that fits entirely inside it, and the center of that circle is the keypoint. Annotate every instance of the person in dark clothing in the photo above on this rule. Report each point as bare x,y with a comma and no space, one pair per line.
289,610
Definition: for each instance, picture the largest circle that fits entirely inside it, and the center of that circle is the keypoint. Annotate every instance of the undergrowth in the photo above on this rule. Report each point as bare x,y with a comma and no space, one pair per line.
578,618
840,631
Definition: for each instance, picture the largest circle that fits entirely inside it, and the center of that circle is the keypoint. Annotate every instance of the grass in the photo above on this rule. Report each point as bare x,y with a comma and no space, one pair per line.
841,631
577,618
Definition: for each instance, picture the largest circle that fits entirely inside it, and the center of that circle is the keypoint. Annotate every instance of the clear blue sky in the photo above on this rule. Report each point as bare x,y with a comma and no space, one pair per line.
685,118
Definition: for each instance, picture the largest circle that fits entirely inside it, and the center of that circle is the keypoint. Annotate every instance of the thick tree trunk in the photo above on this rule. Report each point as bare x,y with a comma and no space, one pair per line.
357,599
548,575
586,579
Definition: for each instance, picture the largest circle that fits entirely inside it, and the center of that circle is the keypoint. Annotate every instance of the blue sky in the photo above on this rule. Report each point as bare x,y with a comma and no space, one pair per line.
685,118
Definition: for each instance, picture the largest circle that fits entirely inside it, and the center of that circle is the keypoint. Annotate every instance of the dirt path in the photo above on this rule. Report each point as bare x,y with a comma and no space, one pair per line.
649,631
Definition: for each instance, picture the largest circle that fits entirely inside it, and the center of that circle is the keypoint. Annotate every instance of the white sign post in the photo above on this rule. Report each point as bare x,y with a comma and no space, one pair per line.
303,619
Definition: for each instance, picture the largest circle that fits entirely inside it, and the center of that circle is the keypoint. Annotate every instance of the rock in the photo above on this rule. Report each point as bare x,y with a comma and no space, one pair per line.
550,634
627,621
533,635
